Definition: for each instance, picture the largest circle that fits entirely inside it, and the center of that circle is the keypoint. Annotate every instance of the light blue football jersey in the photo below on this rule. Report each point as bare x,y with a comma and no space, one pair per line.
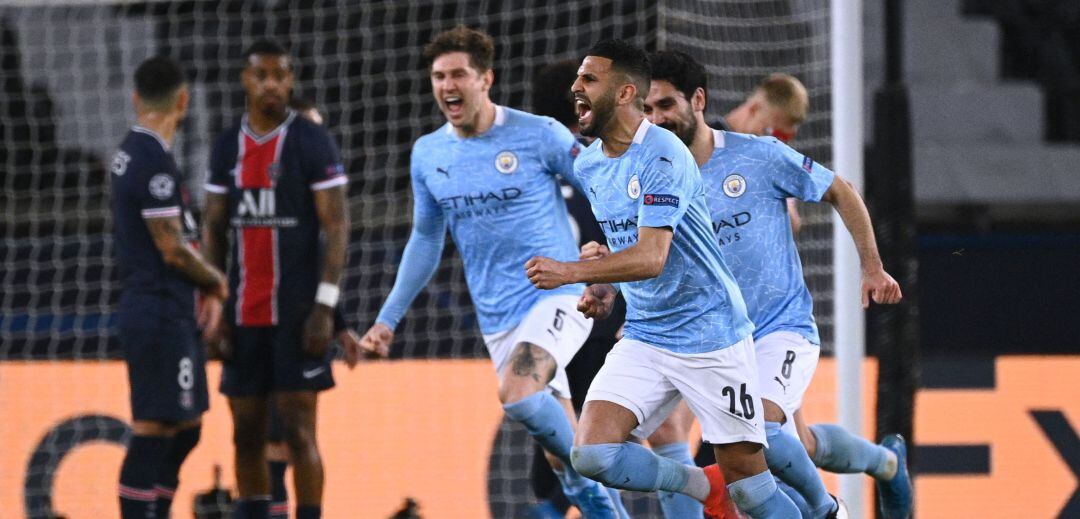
694,305
500,197
747,181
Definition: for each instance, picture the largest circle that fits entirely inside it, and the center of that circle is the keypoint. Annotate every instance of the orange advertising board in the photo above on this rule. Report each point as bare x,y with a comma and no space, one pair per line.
425,429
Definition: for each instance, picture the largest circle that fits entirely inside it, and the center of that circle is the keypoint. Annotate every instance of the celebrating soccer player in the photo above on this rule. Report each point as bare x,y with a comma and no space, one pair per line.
489,175
276,184
160,272
747,179
687,335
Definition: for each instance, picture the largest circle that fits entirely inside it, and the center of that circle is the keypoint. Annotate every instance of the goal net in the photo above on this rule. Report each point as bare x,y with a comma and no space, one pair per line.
65,88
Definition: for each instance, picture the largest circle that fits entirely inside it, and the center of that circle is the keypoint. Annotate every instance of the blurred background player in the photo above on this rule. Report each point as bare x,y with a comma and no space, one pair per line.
277,186
489,175
775,108
746,181
277,450
687,335
160,272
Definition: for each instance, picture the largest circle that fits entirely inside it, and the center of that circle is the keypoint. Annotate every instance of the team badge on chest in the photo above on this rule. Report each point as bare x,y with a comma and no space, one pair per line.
734,185
506,162
634,188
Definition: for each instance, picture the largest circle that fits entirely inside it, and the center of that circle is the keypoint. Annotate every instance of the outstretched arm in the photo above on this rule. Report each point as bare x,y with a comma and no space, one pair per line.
644,260
877,284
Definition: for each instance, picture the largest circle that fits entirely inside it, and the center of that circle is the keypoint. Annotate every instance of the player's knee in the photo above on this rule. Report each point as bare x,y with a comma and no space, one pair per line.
773,412
516,389
668,432
152,428
595,461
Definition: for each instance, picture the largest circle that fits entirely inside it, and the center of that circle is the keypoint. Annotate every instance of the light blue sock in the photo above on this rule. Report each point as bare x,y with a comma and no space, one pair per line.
759,497
796,498
787,458
673,504
630,466
842,452
545,419
616,500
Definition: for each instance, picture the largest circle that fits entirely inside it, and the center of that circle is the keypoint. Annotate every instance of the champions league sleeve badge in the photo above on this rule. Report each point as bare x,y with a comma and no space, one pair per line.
506,162
734,185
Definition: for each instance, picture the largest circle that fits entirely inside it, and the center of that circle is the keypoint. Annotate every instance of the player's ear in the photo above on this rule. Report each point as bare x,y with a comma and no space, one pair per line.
627,94
183,97
697,101
489,79
136,101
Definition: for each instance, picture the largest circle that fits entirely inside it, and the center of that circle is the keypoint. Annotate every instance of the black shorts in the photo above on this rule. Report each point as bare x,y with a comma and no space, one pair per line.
271,358
166,364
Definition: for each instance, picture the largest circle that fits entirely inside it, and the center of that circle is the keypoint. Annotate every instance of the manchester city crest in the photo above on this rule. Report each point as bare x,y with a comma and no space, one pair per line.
506,162
734,185
634,188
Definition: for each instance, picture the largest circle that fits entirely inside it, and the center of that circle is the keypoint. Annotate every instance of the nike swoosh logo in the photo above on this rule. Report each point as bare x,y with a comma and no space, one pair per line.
312,373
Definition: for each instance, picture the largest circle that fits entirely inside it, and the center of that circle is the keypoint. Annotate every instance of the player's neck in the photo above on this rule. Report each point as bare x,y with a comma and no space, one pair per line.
704,143
262,123
484,120
161,124
620,132
737,117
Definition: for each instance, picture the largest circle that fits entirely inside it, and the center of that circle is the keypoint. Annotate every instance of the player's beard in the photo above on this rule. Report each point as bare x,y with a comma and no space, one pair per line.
685,129
602,111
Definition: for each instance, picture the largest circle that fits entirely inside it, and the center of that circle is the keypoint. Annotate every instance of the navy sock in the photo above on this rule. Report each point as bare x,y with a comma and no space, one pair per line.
279,494
254,507
308,512
169,470
138,474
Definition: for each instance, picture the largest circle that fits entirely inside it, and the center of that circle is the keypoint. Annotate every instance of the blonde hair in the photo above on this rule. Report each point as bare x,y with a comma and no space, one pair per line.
787,93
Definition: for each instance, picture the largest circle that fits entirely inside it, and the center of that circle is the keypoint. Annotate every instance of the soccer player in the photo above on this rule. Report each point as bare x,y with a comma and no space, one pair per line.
277,450
489,175
160,272
277,187
776,107
747,179
687,335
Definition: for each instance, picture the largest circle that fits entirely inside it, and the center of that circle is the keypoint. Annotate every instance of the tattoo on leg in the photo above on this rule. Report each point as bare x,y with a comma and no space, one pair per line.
529,361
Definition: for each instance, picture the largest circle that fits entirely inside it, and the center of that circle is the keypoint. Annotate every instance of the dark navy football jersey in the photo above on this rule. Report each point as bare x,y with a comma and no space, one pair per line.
147,184
269,182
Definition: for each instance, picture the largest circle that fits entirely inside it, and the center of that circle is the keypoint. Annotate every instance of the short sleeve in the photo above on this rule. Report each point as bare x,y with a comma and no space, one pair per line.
218,180
323,165
157,190
797,175
667,188
424,203
561,149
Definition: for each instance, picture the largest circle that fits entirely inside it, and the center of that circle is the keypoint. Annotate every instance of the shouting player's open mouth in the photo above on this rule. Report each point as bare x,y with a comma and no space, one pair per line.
584,110
455,105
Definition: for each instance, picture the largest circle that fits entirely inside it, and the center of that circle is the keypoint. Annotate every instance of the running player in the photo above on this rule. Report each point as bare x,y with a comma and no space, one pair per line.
489,175
747,180
687,335
277,186
160,272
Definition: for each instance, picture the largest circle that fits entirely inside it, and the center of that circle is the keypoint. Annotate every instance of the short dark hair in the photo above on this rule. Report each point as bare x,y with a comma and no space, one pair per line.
477,44
157,80
265,47
551,91
628,59
681,70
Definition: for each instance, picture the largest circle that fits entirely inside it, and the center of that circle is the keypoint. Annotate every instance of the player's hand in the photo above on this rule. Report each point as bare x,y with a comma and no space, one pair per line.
376,341
880,287
209,317
593,250
350,342
318,330
219,346
220,290
597,301
546,273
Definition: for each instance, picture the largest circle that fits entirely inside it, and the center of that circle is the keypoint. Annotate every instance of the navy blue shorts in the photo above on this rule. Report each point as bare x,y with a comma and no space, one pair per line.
166,364
270,359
